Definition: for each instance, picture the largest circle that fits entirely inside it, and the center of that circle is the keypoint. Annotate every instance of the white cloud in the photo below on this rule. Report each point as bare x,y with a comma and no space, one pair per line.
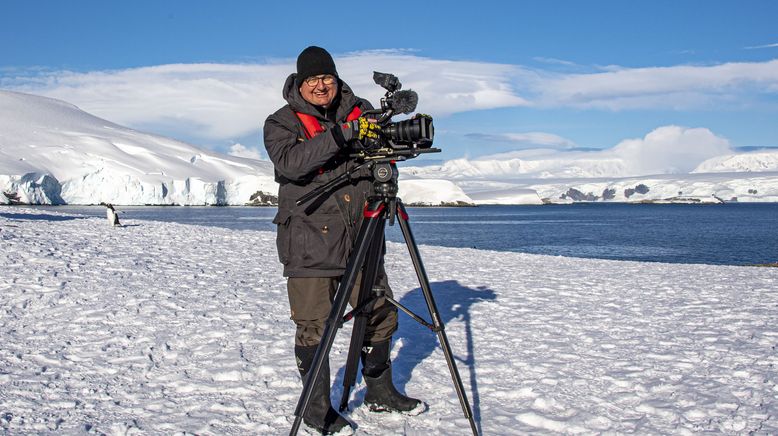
762,46
444,87
664,150
223,101
240,150
213,101
531,139
678,87
669,149
554,61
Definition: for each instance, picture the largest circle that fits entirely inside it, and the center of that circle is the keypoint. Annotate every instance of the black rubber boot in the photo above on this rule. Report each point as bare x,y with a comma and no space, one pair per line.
381,395
320,414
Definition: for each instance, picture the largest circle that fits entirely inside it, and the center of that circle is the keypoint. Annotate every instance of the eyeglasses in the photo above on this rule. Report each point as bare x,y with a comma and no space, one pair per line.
314,80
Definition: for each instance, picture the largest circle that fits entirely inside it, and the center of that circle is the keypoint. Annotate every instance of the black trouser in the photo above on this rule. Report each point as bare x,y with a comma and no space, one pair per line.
310,299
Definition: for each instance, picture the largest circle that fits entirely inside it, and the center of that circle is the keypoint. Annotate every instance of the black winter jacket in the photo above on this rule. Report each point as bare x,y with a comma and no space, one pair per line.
315,238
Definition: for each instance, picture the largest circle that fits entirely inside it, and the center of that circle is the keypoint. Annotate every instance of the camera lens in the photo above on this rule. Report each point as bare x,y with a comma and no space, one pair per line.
418,131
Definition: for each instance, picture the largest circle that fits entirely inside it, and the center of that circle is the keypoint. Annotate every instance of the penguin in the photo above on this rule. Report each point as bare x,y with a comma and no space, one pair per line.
112,214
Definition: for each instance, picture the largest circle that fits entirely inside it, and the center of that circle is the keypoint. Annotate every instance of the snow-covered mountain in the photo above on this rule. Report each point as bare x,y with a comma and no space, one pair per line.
758,161
702,187
51,152
628,172
665,150
540,167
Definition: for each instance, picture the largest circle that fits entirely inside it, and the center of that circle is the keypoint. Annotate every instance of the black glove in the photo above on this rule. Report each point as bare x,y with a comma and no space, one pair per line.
361,129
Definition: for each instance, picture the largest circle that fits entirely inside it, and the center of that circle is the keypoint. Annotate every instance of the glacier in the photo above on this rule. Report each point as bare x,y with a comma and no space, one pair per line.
51,152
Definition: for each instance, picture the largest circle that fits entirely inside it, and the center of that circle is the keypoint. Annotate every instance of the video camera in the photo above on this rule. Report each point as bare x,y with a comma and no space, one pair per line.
399,140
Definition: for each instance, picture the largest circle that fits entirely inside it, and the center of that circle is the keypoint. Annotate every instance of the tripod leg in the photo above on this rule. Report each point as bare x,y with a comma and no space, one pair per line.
364,241
369,274
421,273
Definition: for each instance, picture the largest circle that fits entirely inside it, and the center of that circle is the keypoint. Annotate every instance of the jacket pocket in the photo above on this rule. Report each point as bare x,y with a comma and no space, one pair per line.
283,235
322,241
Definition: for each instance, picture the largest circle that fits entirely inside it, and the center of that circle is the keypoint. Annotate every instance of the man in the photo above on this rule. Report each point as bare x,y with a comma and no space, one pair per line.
309,141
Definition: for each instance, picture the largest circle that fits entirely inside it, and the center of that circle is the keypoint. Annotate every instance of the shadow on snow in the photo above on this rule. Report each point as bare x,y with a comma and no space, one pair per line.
454,302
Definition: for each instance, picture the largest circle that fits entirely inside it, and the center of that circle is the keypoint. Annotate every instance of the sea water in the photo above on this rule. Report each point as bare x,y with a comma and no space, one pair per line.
728,234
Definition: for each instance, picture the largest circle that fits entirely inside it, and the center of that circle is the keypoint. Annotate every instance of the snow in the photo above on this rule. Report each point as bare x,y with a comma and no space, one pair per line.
162,328
431,192
51,152
677,164
704,188
495,187
757,161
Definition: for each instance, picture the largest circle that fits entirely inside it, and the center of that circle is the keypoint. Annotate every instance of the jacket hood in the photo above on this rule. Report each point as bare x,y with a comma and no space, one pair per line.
345,100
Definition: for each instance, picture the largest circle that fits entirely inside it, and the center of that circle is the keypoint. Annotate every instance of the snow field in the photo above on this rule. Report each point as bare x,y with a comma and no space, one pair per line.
167,328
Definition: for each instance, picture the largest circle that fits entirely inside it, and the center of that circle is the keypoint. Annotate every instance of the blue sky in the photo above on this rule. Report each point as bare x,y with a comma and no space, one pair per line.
498,76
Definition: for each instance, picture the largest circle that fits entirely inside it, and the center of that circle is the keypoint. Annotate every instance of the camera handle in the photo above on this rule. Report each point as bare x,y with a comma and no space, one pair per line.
383,155
325,187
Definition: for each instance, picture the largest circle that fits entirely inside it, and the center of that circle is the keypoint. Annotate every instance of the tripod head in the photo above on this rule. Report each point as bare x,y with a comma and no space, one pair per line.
381,167
385,178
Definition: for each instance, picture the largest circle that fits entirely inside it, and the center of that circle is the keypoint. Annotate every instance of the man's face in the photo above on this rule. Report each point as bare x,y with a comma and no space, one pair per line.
319,90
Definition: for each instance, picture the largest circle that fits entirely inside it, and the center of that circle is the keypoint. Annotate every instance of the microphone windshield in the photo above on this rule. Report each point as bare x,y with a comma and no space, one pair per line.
405,102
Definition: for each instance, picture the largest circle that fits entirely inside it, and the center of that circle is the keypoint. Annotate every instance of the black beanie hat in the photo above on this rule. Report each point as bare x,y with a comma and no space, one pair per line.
312,62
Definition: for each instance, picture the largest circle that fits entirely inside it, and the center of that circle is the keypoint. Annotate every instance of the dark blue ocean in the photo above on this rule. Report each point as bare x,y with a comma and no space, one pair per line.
728,234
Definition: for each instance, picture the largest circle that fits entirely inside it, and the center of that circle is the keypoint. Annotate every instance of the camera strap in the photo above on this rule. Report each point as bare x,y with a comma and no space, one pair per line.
312,126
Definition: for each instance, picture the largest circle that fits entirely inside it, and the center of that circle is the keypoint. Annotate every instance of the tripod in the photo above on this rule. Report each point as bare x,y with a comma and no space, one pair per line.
366,257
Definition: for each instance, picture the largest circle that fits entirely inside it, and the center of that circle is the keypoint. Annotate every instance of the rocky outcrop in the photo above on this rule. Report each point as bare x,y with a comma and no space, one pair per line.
260,198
